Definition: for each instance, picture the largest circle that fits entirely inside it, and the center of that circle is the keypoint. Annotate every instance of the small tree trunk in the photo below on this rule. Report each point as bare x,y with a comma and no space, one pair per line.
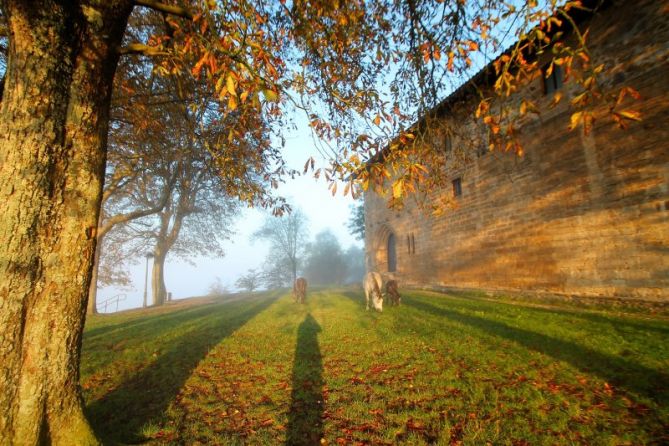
53,126
158,278
93,288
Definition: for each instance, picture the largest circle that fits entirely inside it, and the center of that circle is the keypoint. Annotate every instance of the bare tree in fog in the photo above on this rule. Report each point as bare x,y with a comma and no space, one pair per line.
287,236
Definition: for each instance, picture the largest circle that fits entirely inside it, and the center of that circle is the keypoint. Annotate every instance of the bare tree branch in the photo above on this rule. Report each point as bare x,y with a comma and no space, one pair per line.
162,7
124,218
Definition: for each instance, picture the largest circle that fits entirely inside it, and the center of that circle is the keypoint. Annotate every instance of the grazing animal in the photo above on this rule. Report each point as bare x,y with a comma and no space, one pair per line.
373,285
392,292
300,290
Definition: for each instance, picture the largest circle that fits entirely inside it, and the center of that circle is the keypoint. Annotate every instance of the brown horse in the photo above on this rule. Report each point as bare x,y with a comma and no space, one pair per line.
392,292
300,290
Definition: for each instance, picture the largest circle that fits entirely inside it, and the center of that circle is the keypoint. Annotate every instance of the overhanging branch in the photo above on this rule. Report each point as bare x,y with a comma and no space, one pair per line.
162,7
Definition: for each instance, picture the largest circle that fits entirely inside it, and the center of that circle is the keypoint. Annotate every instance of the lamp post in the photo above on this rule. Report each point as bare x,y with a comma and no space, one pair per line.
146,275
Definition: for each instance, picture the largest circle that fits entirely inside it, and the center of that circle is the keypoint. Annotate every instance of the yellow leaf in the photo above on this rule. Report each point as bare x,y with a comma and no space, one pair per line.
398,188
575,120
230,85
578,99
232,102
629,114
271,95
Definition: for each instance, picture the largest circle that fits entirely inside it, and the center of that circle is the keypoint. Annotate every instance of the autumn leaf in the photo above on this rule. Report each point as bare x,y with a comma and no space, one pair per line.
230,85
398,188
575,120
271,95
232,103
629,114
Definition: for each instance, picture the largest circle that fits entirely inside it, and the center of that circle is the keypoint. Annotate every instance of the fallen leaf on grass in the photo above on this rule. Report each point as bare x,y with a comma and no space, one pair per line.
267,422
415,425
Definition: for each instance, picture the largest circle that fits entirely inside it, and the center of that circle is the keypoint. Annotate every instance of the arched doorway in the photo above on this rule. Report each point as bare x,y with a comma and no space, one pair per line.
392,254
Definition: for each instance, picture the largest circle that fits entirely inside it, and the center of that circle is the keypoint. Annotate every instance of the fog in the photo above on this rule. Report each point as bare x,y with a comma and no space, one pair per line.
242,252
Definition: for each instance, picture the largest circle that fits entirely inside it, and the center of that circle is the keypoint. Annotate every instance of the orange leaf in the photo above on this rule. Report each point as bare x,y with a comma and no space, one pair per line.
629,114
575,120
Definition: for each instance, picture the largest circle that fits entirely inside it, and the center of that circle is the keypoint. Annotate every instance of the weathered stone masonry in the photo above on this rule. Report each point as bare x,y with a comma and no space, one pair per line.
577,215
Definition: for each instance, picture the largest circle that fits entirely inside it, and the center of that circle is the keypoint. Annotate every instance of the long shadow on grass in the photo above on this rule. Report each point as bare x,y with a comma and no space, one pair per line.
617,322
357,297
305,419
146,323
144,396
631,376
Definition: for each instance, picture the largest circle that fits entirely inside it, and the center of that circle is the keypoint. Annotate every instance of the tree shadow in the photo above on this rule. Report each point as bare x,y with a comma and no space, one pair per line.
305,419
141,399
631,376
618,322
145,324
358,298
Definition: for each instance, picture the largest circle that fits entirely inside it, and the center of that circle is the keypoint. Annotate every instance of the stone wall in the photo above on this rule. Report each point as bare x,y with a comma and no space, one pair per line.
576,215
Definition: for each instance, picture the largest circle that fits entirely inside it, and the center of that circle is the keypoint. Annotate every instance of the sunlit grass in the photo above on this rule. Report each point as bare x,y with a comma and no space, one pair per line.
437,370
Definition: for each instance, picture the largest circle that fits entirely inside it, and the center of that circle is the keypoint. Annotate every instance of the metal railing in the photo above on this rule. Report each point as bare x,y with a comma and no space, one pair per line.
107,303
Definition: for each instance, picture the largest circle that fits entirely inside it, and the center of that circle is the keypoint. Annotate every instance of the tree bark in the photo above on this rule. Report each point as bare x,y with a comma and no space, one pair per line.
53,127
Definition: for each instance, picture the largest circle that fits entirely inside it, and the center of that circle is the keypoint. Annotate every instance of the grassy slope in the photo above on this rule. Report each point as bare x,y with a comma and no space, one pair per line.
439,369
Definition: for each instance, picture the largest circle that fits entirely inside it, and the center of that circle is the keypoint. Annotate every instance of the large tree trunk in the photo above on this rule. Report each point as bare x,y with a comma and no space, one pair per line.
158,277
53,126
166,238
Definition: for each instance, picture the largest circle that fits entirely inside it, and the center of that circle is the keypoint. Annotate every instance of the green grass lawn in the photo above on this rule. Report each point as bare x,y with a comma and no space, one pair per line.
440,369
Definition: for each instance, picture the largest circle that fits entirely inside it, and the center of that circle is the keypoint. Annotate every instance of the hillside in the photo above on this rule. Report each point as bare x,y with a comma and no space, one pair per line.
440,369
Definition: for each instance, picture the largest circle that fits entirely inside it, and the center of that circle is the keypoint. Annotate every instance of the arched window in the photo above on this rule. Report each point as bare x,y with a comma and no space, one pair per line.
392,255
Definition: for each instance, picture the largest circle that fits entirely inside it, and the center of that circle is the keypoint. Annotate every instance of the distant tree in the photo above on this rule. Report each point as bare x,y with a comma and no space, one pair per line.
249,281
217,288
276,274
287,236
325,263
355,264
356,221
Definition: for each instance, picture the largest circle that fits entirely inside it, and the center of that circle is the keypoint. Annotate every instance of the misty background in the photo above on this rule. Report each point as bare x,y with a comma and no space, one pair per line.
326,221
